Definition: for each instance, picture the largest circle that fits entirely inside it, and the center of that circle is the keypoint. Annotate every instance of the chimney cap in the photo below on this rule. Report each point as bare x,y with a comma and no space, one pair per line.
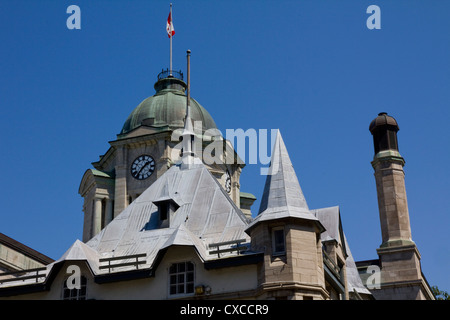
382,120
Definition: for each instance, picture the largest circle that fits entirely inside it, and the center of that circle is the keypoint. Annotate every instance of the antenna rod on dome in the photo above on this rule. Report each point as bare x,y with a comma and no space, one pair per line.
188,132
188,90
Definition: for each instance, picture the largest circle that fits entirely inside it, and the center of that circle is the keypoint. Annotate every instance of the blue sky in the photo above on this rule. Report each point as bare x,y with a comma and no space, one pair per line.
310,68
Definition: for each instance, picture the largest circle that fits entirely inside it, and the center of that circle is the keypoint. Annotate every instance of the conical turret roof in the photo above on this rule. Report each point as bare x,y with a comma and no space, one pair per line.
283,196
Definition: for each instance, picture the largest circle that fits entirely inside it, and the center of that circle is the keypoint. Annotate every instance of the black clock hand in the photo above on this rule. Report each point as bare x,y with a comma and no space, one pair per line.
143,167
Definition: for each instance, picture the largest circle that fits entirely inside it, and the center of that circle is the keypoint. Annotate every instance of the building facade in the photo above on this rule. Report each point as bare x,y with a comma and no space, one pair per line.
162,223
148,145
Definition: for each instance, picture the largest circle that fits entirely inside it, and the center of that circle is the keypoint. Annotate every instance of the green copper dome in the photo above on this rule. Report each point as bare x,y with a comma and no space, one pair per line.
167,108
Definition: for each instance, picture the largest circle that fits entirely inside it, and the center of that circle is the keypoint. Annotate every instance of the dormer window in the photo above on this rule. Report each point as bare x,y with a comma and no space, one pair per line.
166,209
163,209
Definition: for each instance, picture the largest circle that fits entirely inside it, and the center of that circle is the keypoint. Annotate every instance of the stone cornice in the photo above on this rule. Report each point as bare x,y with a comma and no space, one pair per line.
411,246
387,155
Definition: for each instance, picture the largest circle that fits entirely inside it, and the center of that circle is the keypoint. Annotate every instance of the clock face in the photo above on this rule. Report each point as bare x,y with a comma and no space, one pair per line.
142,167
228,182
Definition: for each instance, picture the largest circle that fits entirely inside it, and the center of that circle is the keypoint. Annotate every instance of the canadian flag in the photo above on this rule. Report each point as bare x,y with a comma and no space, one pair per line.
169,26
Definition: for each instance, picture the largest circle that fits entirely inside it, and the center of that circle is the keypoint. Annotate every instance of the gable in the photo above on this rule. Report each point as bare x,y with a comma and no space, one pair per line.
331,219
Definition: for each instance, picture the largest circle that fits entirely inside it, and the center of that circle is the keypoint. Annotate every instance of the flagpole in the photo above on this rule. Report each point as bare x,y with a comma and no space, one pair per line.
171,36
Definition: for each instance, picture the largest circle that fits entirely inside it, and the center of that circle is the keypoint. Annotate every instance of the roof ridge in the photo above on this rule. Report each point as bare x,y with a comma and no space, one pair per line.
24,249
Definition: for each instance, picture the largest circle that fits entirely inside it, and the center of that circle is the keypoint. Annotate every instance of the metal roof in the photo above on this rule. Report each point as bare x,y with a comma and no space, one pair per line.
283,196
247,195
206,215
25,250
353,279
205,218
167,108
383,119
331,218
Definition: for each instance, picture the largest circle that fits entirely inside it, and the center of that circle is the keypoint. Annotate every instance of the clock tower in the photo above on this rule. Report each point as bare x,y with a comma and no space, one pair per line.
148,144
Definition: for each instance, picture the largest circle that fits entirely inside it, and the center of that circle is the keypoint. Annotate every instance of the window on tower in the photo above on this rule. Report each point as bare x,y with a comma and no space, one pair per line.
278,241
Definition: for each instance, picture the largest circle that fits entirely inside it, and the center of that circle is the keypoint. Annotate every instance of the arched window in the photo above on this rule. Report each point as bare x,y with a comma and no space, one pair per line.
181,278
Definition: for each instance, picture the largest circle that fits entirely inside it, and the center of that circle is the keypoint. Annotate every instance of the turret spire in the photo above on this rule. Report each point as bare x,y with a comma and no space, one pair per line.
282,196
